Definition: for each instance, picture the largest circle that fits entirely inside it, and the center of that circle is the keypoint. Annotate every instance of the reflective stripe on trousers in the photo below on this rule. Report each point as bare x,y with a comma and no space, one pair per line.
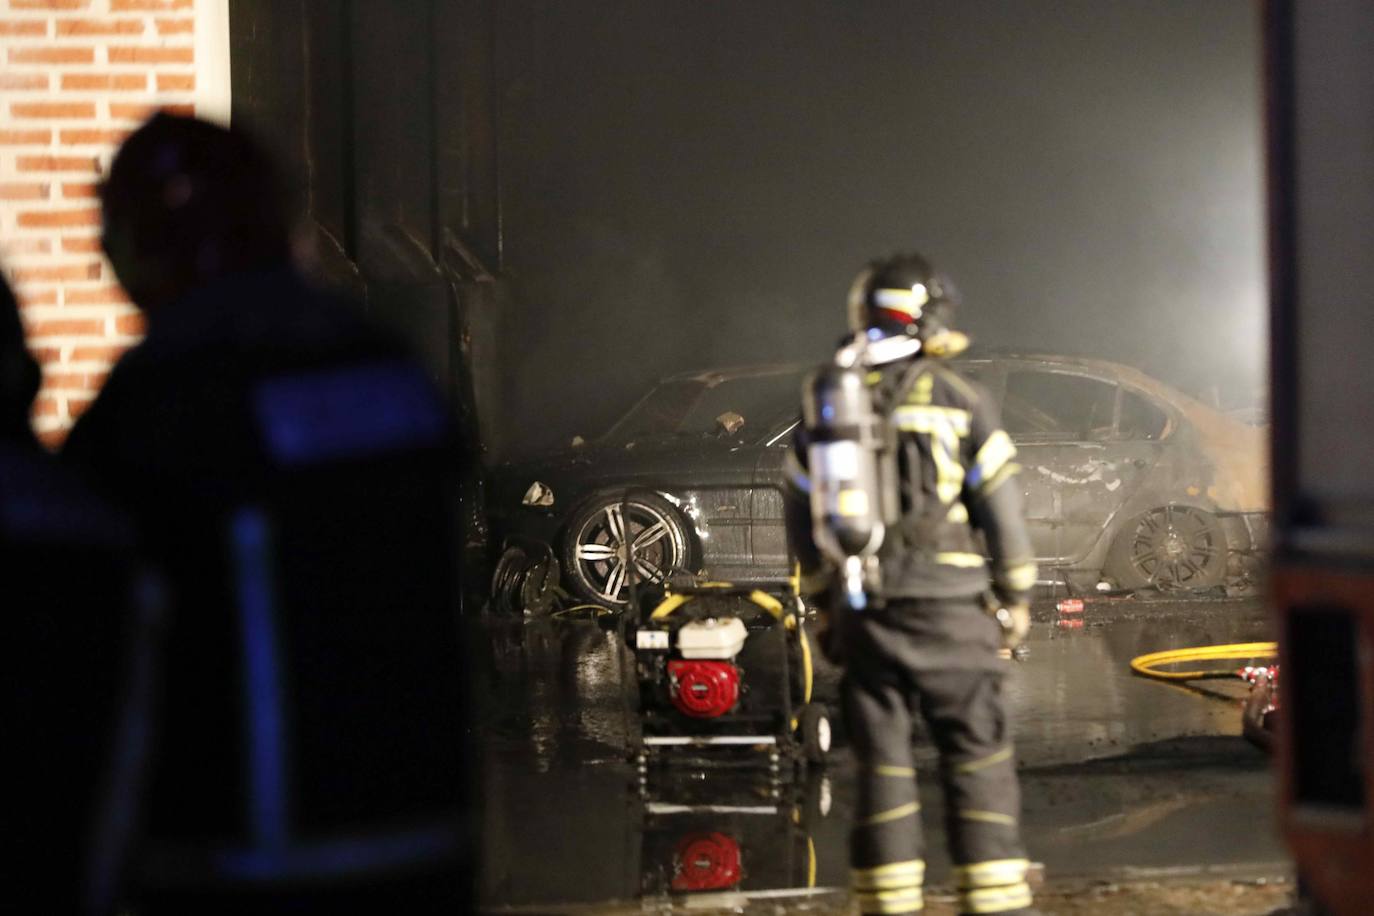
891,888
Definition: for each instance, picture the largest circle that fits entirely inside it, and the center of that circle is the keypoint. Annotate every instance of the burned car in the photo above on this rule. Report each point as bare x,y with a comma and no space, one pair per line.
1129,483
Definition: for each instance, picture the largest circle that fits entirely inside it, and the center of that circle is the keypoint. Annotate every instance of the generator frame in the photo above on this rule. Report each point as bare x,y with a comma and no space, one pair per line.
779,733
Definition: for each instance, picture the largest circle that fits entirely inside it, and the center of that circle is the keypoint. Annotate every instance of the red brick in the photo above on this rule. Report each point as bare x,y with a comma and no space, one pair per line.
68,327
121,82
17,191
99,27
79,381
20,81
78,404
56,273
52,55
133,323
146,54
46,355
171,82
48,110
133,112
126,111
34,218
176,26
52,439
46,295
25,137
58,164
97,354
82,189
49,4
45,405
29,246
92,136
23,27
121,6
81,244
100,295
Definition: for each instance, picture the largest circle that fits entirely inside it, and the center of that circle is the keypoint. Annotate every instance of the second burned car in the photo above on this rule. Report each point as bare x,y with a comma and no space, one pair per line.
1129,483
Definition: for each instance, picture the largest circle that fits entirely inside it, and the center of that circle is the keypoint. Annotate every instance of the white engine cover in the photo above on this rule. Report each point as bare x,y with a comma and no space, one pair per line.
718,638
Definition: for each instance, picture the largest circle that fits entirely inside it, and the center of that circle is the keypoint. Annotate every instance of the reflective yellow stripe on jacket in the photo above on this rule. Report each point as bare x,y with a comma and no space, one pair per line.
994,455
945,426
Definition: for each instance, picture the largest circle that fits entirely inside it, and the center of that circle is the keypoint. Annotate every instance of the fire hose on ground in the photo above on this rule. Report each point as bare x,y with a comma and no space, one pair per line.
1262,703
1148,665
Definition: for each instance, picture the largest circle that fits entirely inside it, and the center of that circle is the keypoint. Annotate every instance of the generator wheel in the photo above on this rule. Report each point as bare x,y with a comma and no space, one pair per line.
816,733
818,799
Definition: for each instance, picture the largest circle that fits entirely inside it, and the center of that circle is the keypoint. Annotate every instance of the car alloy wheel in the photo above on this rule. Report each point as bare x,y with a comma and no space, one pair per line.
1172,548
606,534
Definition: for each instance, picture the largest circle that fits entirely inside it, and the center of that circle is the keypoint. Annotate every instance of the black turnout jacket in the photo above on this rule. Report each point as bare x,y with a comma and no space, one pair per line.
961,509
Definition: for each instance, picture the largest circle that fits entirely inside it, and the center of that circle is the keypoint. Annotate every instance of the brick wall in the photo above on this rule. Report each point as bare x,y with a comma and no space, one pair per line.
76,76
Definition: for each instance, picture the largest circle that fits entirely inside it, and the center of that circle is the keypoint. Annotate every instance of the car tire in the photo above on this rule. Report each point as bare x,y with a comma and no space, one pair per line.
1171,548
525,580
593,566
817,800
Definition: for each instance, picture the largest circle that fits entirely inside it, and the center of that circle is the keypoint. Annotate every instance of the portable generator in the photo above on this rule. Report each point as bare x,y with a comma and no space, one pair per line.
723,666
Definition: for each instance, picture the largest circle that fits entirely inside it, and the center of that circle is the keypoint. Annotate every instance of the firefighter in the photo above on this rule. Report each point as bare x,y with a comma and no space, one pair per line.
75,643
935,634
291,468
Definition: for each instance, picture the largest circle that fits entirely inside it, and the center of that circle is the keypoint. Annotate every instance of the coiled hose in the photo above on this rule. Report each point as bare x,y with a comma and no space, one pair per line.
1148,665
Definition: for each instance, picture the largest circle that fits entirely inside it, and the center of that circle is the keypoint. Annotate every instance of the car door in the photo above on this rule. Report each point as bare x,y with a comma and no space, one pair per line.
1085,443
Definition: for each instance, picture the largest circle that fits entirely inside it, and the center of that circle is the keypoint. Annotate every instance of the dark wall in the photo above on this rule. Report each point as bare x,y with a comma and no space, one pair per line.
588,196
690,184
1322,153
384,115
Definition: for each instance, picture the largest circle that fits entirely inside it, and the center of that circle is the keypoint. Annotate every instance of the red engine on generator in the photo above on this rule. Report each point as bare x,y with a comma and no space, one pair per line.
703,689
707,862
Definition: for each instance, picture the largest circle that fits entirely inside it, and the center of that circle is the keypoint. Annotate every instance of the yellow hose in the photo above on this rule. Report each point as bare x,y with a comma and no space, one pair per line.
596,609
1145,665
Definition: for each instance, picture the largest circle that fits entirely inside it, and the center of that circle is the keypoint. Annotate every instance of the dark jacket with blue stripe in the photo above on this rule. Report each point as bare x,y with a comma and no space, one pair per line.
291,469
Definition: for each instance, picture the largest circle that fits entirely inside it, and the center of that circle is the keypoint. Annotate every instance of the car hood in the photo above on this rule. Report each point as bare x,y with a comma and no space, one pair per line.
573,470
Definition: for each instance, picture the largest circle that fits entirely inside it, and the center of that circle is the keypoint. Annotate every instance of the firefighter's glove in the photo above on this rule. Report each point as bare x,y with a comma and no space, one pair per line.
1014,619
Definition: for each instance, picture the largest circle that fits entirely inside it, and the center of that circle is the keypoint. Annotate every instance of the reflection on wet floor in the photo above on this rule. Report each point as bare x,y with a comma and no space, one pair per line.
1120,775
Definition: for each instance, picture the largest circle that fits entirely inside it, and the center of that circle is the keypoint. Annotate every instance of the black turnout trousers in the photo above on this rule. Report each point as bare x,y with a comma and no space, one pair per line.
936,658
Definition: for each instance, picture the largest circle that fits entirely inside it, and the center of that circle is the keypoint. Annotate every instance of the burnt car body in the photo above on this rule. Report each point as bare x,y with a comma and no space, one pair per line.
1128,482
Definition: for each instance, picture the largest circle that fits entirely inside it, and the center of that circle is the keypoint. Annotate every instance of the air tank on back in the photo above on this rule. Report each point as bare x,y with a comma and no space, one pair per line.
846,442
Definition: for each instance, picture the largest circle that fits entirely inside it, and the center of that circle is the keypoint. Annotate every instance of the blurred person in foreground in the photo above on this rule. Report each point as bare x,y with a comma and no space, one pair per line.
927,643
291,468
75,656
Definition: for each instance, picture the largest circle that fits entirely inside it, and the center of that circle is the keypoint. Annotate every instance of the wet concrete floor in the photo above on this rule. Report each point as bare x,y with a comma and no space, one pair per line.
1123,778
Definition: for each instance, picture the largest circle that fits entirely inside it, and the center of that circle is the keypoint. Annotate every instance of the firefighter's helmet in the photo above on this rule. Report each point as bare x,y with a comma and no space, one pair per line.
902,298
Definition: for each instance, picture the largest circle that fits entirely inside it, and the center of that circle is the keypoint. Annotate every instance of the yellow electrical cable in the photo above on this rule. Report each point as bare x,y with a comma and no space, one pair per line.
1146,665
807,671
596,609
